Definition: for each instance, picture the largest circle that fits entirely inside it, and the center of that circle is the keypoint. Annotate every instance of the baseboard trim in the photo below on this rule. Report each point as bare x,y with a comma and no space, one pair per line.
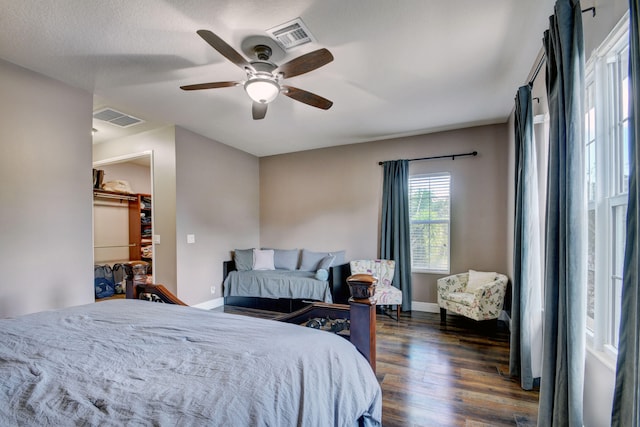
211,304
428,307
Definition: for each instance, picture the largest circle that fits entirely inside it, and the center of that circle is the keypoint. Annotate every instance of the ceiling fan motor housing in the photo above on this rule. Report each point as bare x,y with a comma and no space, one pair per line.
264,68
263,52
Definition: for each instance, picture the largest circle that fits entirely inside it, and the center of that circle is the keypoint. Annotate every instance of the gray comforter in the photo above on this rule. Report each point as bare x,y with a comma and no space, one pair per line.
277,284
127,362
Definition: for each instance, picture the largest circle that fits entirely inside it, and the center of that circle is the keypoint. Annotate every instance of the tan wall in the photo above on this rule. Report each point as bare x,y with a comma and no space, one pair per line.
329,199
45,193
217,201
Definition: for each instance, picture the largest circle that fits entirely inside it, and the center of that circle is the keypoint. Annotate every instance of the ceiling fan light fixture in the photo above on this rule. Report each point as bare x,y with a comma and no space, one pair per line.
262,90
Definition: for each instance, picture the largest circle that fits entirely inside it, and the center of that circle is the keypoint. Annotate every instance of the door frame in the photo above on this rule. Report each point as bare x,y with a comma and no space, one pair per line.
125,159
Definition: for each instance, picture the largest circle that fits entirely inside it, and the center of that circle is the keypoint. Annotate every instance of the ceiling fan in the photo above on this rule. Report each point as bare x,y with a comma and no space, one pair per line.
263,82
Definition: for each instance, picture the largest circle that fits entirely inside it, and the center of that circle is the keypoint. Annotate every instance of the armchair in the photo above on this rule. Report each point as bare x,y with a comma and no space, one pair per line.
383,270
476,295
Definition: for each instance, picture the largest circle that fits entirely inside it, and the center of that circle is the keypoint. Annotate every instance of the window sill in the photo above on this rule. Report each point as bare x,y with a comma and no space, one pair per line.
438,272
607,358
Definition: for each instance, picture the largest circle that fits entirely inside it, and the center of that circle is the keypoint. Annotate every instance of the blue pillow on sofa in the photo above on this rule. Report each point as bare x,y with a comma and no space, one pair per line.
311,260
243,259
322,274
286,259
326,262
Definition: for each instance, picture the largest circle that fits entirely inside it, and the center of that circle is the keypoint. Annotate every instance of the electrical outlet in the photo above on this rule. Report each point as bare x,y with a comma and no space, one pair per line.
213,290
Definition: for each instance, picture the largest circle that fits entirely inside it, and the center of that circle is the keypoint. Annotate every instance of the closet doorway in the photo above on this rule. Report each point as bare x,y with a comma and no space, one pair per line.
123,216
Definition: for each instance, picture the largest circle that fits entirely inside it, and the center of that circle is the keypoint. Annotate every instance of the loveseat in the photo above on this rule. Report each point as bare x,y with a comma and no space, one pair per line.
284,279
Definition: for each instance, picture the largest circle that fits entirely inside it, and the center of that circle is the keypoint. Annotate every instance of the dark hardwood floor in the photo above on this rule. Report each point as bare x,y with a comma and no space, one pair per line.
451,375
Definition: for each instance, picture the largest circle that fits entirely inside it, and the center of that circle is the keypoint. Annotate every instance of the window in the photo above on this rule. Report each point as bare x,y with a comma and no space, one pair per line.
429,213
607,176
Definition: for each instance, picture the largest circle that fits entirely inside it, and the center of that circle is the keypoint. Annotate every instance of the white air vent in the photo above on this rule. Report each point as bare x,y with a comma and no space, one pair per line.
116,117
291,34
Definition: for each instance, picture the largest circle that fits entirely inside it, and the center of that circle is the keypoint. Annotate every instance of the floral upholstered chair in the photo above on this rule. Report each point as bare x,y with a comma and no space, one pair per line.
383,270
478,295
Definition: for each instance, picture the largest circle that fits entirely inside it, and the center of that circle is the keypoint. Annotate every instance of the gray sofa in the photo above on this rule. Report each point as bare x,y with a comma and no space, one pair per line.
294,280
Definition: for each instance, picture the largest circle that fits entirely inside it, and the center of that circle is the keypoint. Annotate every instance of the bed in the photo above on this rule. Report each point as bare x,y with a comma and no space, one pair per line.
131,362
282,290
360,313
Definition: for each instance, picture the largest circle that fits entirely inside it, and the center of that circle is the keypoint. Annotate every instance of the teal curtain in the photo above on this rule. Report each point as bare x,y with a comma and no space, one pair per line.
562,380
395,240
626,398
526,314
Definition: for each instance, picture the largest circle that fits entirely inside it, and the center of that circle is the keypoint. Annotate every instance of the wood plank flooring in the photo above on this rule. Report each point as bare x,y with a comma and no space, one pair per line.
451,375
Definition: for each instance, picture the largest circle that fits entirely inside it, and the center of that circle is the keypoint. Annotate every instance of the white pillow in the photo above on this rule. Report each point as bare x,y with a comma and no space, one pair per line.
479,278
263,259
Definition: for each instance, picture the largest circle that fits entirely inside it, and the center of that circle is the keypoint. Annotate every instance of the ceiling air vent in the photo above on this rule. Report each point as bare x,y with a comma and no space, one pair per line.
291,34
116,117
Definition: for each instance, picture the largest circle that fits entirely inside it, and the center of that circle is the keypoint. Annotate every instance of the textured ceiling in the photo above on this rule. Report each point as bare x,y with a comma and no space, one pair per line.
401,68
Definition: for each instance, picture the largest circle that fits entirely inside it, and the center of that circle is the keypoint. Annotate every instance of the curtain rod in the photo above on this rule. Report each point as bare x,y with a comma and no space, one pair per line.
538,68
544,55
453,157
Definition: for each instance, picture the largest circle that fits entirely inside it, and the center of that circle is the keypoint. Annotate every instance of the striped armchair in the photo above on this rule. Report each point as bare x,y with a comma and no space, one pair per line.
383,270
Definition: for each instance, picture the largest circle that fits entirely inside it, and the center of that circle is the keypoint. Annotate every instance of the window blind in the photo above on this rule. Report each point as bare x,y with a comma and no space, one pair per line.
429,214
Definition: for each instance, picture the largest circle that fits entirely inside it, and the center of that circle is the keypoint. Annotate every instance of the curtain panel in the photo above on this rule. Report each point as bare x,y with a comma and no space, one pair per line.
395,239
525,355
626,398
562,380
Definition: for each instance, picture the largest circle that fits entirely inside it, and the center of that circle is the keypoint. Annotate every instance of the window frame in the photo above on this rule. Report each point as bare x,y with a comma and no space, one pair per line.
603,73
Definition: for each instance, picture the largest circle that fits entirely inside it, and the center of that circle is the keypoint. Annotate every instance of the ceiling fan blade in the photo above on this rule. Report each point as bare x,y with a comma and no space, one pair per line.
259,110
307,97
213,85
224,49
305,63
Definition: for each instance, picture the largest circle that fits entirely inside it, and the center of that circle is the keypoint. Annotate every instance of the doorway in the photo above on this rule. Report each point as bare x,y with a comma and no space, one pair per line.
123,215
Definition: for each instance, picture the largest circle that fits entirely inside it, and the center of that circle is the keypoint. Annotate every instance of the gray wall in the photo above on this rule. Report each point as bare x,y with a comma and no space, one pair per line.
45,193
329,199
218,202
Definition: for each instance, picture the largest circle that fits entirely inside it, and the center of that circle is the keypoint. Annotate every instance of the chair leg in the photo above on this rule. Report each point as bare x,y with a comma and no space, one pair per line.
443,315
398,312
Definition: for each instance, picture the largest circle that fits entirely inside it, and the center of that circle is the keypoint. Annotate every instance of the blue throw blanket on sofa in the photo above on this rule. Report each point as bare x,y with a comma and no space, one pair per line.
277,284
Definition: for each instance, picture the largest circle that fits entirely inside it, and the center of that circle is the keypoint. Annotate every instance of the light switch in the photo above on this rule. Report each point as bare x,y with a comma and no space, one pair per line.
156,239
191,238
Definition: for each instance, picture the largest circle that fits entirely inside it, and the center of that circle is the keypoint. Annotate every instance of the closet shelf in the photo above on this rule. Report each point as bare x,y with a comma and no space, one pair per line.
130,245
103,194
